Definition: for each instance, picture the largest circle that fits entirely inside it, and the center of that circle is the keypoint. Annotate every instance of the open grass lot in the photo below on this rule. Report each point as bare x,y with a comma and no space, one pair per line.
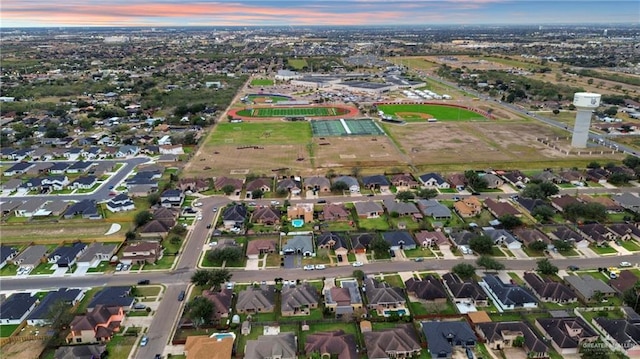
442,113
297,64
55,232
508,144
249,133
261,82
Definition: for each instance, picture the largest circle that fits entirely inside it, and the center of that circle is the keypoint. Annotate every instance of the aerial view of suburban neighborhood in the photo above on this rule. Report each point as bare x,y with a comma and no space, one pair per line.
325,192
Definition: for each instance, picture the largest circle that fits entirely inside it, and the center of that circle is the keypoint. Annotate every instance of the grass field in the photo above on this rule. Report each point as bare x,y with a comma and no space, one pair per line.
247,133
265,97
54,232
261,82
416,112
292,111
297,64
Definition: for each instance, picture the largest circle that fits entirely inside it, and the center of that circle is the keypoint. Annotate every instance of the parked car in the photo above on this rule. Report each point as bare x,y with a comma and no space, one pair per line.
119,267
215,209
308,267
275,203
320,201
419,259
208,225
139,306
392,253
144,341
320,266
573,268
144,282
181,296
357,264
625,264
613,275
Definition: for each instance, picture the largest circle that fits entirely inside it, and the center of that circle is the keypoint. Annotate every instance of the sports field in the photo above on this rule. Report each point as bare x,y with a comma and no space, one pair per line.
422,112
321,128
261,82
268,98
250,133
292,112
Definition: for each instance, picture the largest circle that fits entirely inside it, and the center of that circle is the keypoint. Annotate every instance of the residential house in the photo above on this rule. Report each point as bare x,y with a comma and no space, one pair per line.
261,184
399,240
432,239
429,289
163,220
174,150
398,342
368,209
298,299
457,181
352,183
597,175
596,233
66,256
221,301
360,242
299,244
290,185
266,215
567,334
15,309
507,296
211,347
18,168
59,168
468,207
56,183
7,253
622,334
402,208
334,241
95,253
442,336
194,184
79,167
331,344
31,208
501,208
433,180
41,315
344,300
628,201
561,202
434,209
172,198
99,325
502,237
144,252
465,291
283,345
493,181
548,176
91,351
55,208
31,257
404,181
113,297
502,335
625,231
334,212
87,208
127,151
376,182
234,216
84,182
302,211
256,300
530,235
257,247
383,298
589,288
10,186
461,239
530,204
565,234
120,203
516,178
317,184
235,183
625,281
73,154
548,290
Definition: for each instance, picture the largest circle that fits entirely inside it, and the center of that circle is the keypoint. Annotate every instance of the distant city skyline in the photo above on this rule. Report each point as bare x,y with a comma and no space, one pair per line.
40,13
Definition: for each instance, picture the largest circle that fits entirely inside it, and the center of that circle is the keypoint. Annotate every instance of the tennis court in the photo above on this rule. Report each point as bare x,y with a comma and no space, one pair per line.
343,127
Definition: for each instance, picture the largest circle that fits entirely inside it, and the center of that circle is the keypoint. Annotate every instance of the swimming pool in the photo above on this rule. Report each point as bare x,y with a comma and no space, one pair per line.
220,336
400,312
297,223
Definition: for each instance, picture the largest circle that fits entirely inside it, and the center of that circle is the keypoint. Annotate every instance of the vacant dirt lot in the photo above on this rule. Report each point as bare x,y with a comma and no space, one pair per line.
25,350
356,151
53,232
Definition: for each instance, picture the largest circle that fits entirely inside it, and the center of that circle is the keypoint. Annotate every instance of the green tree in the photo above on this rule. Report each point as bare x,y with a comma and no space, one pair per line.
631,161
464,270
540,190
591,211
339,187
537,246
427,193
201,277
199,311
619,178
405,196
543,213
481,244
509,221
153,198
489,263
141,218
611,111
228,254
257,194
593,165
562,246
358,274
219,276
518,342
545,267
631,297
475,181
228,189
380,247
130,235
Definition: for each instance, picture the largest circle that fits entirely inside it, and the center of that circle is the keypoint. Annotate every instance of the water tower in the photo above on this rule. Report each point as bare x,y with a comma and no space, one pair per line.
585,103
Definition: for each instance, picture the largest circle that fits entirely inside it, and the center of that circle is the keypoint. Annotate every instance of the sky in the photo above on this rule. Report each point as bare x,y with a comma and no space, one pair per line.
67,13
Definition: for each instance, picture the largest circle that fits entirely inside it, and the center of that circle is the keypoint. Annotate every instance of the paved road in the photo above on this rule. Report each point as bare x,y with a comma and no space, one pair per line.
100,194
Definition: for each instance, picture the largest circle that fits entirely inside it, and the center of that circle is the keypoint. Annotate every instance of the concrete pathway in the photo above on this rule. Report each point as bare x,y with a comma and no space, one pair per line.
519,253
405,276
447,254
588,252
622,251
252,264
362,257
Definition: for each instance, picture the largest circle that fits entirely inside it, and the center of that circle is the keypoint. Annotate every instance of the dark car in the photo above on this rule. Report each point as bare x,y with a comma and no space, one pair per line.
392,253
208,225
144,282
158,356
181,296
573,268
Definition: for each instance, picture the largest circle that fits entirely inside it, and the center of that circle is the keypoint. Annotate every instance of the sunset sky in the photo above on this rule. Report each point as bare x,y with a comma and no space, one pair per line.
41,13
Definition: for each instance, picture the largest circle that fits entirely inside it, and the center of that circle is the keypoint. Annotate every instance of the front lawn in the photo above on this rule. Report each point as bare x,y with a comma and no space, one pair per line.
9,270
419,252
148,291
374,224
43,268
166,262
102,267
208,263
496,252
7,329
394,280
119,346
602,249
630,245
532,253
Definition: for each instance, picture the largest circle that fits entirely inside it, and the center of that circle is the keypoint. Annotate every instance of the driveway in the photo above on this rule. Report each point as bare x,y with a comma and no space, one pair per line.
588,252
622,250
60,272
292,261
252,264
362,257
446,253
519,253
80,270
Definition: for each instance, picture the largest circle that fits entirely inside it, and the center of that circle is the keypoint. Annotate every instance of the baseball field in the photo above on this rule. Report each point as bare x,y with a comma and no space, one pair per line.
423,112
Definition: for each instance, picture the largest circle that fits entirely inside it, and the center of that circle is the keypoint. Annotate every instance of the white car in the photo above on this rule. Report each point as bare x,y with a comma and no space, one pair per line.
320,266
199,218
625,264
196,204
357,264
308,267
215,209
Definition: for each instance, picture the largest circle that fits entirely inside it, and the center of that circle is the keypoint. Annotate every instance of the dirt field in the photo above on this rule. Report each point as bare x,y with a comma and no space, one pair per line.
54,232
357,151
24,350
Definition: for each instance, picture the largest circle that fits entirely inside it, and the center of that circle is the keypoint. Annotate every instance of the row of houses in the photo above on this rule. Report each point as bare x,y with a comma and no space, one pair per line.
99,151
